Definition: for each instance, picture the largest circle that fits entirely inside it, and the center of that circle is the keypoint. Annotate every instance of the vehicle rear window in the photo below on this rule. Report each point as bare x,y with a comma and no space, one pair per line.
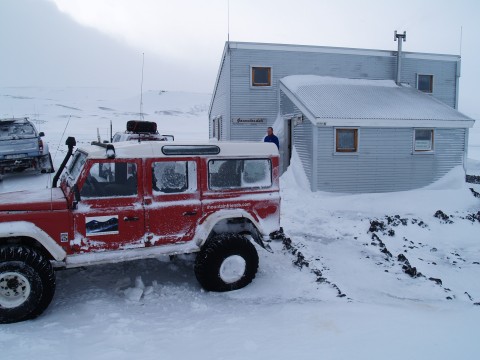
15,130
239,173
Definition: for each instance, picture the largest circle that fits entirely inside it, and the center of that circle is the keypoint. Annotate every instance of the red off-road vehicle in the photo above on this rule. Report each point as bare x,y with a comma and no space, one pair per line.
136,201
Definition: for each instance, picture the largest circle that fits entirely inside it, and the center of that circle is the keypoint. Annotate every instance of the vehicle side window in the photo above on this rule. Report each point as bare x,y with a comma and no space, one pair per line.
174,177
238,173
110,179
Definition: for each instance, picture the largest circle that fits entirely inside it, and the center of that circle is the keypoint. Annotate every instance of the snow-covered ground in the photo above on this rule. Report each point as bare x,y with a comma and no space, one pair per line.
335,289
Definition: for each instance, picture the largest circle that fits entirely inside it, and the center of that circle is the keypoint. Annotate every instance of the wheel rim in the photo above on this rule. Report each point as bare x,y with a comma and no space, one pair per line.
232,269
14,289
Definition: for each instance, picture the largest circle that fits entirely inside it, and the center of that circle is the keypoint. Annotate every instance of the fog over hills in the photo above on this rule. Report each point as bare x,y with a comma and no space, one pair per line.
41,46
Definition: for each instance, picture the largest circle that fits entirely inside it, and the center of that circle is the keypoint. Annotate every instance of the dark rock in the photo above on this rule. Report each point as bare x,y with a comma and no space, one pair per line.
472,179
300,261
278,235
391,232
475,193
437,281
409,270
473,217
376,226
386,252
439,214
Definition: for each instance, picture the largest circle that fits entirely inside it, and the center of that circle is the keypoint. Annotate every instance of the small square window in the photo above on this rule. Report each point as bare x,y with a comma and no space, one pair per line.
346,140
423,140
261,76
425,83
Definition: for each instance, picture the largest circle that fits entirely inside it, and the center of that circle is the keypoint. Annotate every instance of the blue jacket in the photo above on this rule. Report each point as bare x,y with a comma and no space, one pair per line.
272,139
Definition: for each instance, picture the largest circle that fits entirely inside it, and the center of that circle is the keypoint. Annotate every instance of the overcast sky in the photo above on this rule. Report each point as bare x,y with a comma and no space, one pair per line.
100,42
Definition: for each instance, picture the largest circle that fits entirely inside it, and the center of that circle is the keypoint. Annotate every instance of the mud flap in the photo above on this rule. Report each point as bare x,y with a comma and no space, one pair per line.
45,164
258,238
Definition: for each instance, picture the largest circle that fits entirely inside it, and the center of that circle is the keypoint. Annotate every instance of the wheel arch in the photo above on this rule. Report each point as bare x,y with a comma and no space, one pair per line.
235,221
26,233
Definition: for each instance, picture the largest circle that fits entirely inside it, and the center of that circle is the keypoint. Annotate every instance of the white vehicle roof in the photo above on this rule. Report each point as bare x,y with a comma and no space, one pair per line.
149,149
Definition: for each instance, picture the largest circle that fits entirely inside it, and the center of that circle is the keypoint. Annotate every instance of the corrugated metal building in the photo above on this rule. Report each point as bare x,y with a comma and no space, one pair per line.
355,135
250,93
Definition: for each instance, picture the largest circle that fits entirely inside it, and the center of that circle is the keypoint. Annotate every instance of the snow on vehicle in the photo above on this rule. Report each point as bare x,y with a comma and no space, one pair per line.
142,131
140,200
22,147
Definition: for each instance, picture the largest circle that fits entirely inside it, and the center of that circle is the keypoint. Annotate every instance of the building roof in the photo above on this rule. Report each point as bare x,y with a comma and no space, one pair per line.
330,101
337,50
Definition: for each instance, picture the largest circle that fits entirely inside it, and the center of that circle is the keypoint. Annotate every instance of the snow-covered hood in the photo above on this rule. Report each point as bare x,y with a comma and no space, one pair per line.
37,200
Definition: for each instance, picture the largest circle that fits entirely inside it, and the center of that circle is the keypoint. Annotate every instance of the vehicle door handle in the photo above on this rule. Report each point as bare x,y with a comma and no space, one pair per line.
189,213
131,218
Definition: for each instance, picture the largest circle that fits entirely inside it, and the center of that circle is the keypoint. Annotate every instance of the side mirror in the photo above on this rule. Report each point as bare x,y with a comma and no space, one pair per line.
41,134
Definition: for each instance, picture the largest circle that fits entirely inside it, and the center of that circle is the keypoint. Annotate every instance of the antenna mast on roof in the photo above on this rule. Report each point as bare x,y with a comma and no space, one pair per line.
401,38
228,23
141,88
461,39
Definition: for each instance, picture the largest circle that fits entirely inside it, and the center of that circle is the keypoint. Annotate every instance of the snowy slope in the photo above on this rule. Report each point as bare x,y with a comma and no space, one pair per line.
336,288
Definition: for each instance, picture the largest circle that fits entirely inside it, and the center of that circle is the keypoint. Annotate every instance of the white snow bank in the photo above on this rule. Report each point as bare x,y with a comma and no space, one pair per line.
473,167
454,179
450,193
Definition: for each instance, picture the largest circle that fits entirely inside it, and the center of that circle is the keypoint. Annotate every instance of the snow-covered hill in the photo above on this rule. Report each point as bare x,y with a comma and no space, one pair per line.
368,276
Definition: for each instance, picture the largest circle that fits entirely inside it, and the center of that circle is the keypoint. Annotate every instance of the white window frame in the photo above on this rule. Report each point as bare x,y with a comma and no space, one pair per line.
345,153
250,80
432,146
433,83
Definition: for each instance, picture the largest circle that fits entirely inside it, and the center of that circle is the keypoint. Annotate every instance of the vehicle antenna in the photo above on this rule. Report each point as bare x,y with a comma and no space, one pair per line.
141,88
64,130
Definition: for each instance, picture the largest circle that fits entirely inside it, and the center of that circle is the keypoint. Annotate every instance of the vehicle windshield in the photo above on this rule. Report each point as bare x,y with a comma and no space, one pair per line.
16,130
75,166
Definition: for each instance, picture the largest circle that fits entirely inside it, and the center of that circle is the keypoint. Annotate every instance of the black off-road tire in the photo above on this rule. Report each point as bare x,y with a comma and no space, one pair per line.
22,268
219,251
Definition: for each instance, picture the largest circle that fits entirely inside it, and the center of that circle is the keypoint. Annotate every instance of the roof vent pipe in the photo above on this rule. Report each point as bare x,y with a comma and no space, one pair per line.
401,38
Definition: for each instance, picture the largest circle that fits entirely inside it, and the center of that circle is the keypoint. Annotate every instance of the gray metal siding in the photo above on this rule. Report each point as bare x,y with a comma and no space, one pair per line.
303,142
249,102
221,99
385,160
444,77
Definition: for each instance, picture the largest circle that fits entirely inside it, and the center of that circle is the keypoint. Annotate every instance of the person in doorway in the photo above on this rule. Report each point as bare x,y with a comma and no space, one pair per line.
271,137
